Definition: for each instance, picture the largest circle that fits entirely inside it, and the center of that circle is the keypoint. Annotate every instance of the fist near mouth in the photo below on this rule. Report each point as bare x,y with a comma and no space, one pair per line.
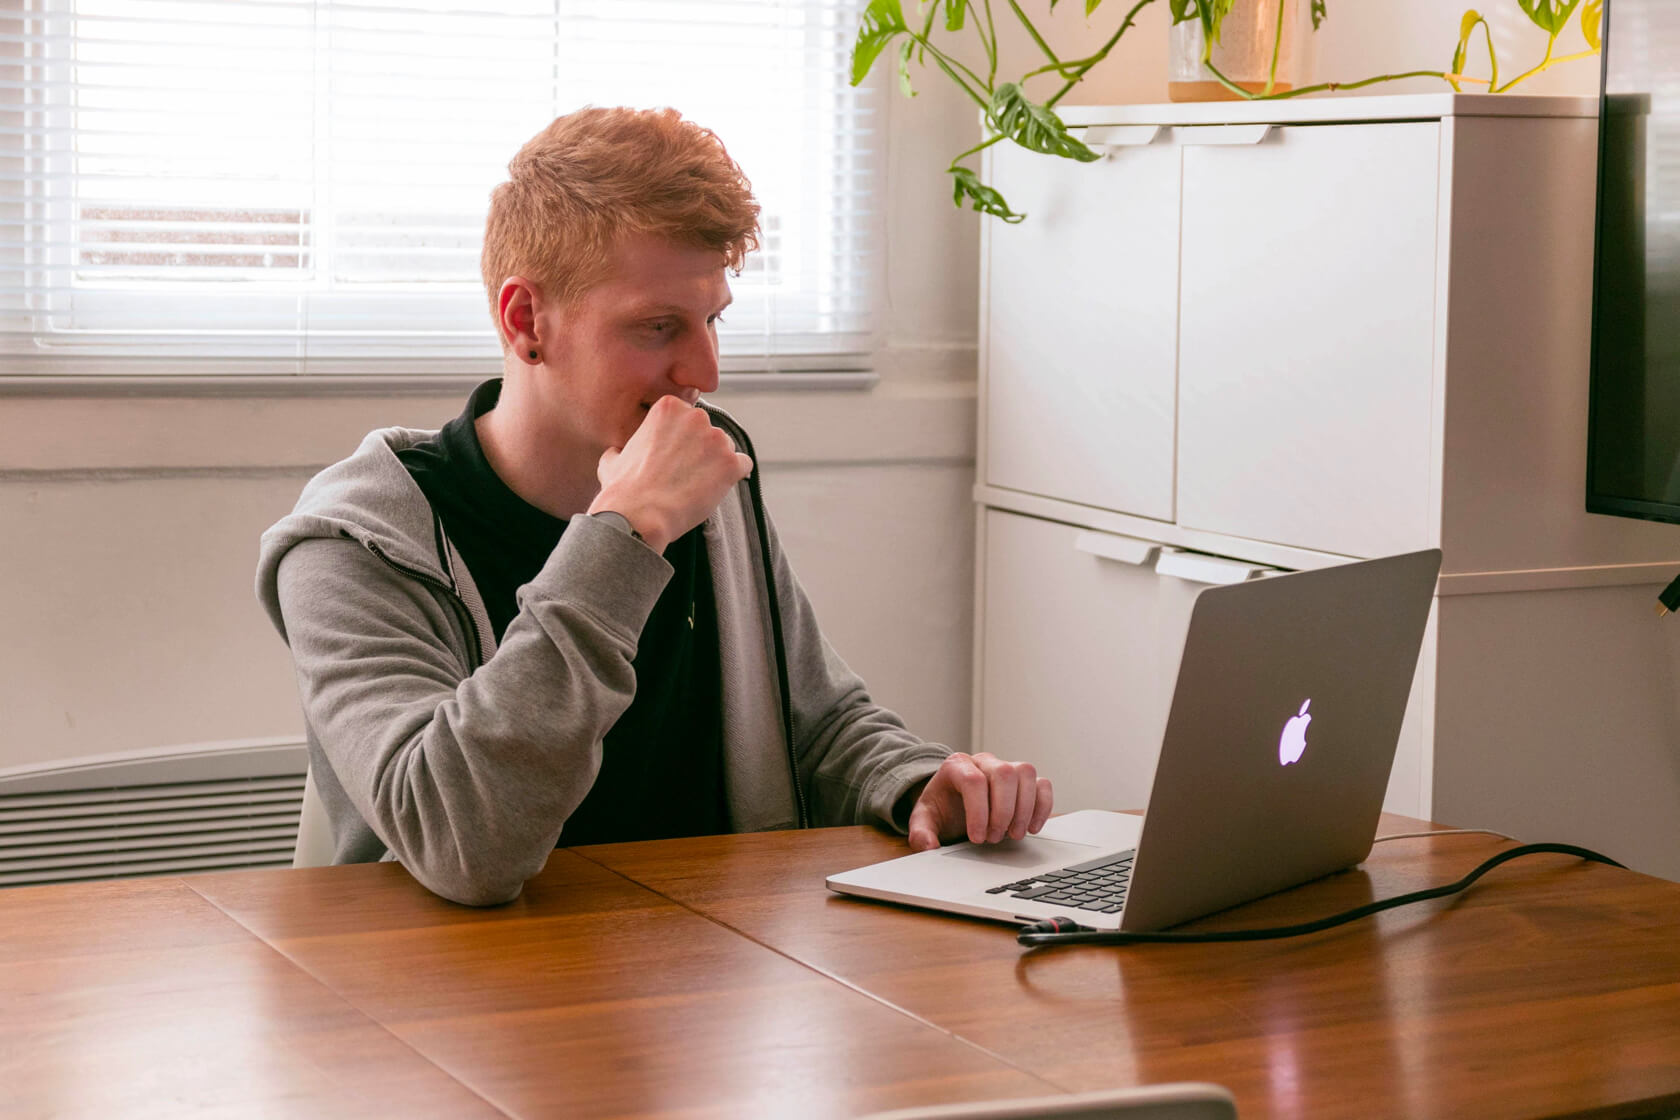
670,475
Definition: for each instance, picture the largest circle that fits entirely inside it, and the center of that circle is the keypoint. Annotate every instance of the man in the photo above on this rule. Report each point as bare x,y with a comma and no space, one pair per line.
565,617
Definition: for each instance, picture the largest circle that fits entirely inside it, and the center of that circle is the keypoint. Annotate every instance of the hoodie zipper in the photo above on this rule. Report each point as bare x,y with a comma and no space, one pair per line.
453,597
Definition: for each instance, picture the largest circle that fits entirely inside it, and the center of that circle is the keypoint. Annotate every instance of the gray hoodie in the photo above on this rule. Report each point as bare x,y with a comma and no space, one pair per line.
430,745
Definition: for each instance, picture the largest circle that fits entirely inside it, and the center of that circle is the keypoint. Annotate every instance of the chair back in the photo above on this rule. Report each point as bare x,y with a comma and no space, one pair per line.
314,836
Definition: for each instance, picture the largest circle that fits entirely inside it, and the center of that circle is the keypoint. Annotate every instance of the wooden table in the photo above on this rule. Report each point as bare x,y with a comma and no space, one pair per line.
717,976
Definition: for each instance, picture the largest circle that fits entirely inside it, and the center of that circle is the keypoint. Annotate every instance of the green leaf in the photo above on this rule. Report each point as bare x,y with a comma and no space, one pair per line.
1034,127
1319,13
1551,16
1466,27
1213,13
883,21
904,50
966,184
954,11
1592,16
1091,6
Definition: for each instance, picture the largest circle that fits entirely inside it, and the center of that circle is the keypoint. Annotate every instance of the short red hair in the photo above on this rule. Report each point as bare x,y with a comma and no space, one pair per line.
596,174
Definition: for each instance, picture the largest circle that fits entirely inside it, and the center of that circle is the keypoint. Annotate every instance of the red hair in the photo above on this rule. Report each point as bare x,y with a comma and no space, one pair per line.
596,174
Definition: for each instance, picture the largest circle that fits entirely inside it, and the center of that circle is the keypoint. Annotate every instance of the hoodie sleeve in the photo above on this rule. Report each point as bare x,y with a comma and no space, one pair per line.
856,758
467,775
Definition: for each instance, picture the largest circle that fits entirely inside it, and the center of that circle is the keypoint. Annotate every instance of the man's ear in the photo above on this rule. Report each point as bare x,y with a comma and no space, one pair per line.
516,316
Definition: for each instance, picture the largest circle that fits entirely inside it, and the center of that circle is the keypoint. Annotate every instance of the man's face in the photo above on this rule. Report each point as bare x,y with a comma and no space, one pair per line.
648,330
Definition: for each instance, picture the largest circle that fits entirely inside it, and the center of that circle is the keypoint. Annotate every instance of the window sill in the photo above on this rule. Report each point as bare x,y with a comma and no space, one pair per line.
342,385
919,407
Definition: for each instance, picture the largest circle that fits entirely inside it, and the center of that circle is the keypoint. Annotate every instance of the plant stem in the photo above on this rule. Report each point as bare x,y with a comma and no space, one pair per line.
1071,64
1131,18
1493,59
991,45
1277,47
980,147
1562,58
1249,95
1036,37
1207,61
1546,64
946,62
1065,69
1442,74
1545,61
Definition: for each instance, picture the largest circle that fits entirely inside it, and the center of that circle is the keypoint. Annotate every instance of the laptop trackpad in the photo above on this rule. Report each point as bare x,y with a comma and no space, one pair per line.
963,869
1027,854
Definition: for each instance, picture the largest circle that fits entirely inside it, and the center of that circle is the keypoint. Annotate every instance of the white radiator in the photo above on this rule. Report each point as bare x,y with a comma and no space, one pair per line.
206,807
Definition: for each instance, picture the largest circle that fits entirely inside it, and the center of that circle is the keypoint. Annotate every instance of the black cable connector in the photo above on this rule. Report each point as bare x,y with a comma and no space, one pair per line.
1060,931
1669,600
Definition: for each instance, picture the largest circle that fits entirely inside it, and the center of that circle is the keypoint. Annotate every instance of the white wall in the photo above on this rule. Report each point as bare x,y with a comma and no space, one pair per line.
128,525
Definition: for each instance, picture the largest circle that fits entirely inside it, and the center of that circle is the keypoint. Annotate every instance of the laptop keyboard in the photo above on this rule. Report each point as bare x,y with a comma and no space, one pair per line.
1098,885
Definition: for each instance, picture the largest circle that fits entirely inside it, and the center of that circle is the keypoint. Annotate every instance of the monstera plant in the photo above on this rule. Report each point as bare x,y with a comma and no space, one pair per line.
1008,112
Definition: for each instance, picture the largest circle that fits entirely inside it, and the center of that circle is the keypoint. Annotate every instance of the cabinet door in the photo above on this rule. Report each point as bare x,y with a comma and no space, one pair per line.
1081,308
1307,329
1080,642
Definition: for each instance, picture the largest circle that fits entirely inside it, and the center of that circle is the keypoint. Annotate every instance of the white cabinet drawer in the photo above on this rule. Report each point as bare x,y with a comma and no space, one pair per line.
1080,637
1081,314
1080,646
1306,349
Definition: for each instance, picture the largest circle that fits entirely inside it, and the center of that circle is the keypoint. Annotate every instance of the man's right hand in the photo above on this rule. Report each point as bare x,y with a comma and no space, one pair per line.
671,474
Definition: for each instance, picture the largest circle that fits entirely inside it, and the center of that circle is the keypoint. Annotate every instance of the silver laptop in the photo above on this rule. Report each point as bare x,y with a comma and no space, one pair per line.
1273,766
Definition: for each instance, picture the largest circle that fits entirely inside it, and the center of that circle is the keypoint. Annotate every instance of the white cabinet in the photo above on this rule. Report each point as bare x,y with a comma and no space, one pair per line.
1295,334
1103,332
1307,306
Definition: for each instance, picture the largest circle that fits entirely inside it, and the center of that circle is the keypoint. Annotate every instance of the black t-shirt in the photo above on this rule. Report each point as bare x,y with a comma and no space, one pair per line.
662,762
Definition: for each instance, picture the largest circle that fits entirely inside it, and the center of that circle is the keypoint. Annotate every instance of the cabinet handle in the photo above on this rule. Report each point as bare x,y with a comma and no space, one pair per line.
1109,139
1208,135
1122,550
1198,568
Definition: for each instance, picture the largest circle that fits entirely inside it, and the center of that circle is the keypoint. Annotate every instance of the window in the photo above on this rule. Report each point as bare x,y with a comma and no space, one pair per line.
299,186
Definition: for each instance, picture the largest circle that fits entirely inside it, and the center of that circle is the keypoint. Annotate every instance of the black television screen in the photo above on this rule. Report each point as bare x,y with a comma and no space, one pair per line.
1633,440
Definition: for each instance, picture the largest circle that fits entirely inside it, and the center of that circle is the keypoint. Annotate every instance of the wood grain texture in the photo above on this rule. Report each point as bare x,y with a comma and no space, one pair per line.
1552,988
591,996
718,977
140,998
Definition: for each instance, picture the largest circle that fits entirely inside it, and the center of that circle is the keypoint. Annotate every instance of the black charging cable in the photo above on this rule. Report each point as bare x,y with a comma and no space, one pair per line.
1062,931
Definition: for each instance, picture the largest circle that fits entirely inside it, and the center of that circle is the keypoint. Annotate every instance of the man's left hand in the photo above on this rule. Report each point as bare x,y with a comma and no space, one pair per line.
981,798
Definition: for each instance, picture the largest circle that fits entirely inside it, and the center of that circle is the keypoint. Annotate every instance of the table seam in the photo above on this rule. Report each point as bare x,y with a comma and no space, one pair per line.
827,975
352,1004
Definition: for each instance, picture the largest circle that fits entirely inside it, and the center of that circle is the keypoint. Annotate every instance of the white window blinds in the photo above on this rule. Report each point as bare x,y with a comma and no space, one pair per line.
299,186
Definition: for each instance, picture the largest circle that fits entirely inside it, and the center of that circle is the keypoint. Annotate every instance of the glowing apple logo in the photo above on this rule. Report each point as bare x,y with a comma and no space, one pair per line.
1293,742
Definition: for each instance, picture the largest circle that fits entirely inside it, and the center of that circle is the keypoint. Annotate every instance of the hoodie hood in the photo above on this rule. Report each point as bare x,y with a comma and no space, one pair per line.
370,498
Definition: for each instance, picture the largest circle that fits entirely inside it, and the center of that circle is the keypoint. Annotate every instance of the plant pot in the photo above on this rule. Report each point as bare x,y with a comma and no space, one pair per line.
1243,52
